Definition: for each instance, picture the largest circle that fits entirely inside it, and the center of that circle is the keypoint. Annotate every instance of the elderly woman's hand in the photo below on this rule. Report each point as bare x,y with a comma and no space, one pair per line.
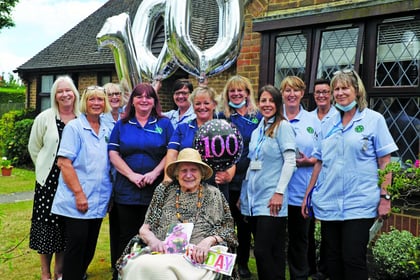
200,252
157,245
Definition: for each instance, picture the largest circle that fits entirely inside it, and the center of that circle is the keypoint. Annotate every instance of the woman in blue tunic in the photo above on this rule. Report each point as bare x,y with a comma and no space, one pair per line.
353,144
137,149
239,108
264,190
204,102
84,186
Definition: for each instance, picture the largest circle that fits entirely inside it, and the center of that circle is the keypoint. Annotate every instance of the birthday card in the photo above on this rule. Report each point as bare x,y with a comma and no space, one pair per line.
178,237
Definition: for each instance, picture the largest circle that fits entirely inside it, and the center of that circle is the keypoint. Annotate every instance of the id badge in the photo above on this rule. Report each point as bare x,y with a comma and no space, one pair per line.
255,165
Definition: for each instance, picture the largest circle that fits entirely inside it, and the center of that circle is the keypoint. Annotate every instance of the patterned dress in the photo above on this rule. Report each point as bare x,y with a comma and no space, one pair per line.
47,232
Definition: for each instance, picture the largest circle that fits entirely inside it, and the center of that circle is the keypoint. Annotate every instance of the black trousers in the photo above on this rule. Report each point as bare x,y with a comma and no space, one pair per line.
81,238
346,243
114,232
315,264
269,246
298,229
243,230
128,220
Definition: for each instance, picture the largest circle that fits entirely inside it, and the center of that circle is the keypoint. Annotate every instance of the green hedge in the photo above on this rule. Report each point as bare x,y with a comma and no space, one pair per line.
12,95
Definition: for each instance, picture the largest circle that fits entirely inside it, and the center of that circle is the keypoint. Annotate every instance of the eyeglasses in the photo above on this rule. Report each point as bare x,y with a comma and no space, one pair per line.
178,93
94,88
110,94
319,93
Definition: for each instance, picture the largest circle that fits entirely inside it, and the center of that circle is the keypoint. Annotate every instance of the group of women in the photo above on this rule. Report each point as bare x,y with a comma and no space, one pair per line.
154,179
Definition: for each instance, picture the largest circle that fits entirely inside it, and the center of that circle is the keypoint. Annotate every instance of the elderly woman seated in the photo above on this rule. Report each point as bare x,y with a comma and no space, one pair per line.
186,200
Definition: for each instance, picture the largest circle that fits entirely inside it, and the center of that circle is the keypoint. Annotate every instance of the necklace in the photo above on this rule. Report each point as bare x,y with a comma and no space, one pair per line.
199,202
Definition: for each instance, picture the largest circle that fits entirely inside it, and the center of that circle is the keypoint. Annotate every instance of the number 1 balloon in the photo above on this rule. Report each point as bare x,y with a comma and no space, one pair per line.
217,58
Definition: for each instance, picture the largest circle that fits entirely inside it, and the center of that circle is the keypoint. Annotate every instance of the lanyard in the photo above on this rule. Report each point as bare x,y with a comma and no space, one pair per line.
261,138
251,121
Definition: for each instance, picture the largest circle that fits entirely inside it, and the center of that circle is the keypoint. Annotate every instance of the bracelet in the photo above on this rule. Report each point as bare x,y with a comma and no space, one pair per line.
217,241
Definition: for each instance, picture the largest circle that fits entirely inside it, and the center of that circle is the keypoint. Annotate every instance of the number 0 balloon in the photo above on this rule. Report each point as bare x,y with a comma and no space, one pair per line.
218,57
219,144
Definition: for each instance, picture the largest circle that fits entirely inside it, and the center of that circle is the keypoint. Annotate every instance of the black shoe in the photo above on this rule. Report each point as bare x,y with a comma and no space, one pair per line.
244,272
85,276
319,276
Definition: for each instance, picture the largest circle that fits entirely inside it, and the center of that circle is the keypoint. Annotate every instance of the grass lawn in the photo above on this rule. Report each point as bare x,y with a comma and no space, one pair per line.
17,261
21,180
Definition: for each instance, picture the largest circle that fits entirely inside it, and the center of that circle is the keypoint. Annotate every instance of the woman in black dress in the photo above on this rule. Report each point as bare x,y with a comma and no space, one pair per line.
46,235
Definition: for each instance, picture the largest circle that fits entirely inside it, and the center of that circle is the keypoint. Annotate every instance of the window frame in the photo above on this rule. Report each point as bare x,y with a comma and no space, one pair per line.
373,16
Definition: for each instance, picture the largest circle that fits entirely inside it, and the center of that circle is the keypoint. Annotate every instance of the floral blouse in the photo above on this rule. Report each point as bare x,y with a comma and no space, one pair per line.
212,218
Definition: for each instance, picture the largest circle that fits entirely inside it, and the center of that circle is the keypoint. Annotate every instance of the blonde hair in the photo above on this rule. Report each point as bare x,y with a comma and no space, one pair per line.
94,91
206,90
294,82
111,87
349,78
239,82
54,105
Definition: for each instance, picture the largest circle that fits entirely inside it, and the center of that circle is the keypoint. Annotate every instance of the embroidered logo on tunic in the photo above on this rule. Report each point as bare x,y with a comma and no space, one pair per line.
310,130
158,129
359,128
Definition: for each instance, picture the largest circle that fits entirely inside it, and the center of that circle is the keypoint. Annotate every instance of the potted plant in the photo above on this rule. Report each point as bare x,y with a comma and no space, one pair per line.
405,184
6,166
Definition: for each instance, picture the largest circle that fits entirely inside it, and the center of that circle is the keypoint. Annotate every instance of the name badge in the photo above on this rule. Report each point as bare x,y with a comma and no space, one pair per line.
255,165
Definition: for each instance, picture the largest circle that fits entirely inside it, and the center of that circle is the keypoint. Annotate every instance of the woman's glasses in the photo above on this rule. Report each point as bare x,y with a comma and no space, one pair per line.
324,92
110,94
180,92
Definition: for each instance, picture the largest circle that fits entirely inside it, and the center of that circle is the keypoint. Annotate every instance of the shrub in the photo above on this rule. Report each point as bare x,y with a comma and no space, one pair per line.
15,128
397,255
17,143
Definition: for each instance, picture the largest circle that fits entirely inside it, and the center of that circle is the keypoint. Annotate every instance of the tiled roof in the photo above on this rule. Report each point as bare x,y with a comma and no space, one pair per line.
78,47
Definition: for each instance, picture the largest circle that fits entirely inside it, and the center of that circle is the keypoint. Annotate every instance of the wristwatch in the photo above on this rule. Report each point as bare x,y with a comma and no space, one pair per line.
386,196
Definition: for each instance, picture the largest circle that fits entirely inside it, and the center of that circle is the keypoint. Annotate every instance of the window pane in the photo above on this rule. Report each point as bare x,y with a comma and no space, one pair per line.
45,102
290,57
398,52
337,51
46,83
403,118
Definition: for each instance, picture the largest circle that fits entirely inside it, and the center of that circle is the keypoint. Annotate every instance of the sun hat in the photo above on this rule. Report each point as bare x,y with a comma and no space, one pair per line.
191,156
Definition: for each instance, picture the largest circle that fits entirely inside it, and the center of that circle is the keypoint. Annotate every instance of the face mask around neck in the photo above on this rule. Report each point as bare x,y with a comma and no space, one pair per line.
237,106
347,107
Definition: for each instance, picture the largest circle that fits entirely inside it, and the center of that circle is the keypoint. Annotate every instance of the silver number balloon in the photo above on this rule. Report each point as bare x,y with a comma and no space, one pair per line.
116,34
215,59
144,25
